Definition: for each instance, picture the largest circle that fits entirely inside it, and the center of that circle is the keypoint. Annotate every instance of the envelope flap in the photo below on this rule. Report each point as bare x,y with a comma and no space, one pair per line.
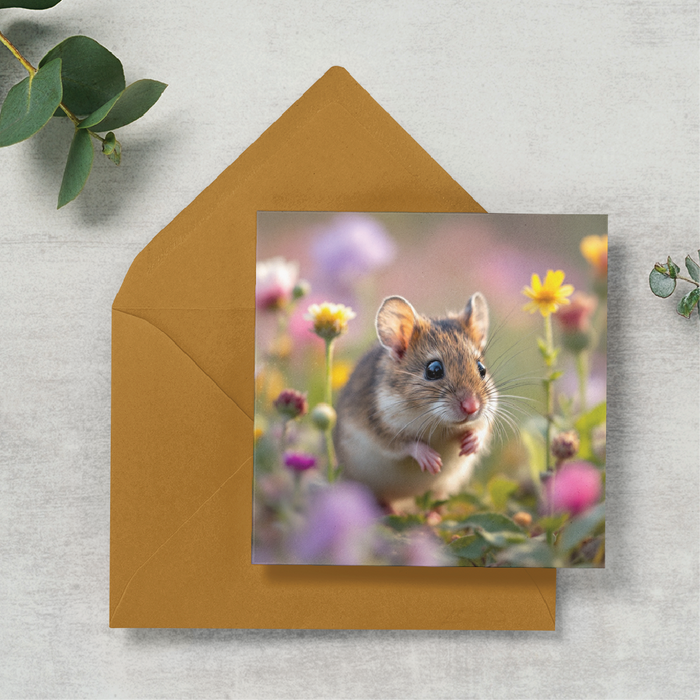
335,124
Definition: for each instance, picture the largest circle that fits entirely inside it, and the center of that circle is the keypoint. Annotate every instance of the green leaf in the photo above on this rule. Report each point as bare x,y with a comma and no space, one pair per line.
30,104
491,522
531,553
503,539
662,285
673,269
687,303
584,426
469,547
580,528
555,375
536,455
29,4
91,74
126,107
500,488
693,268
423,502
113,150
78,167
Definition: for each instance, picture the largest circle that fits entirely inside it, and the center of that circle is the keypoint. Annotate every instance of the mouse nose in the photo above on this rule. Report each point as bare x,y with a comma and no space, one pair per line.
470,405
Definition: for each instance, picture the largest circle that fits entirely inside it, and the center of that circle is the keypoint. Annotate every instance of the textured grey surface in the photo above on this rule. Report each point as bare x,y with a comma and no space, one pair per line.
571,107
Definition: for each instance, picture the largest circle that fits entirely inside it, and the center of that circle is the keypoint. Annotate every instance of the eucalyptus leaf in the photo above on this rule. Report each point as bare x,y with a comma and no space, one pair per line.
126,107
491,522
91,74
30,104
78,167
28,4
688,302
580,528
693,268
673,269
662,285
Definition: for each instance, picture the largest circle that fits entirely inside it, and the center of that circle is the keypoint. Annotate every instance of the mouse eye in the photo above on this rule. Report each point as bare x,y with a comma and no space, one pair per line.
434,370
481,368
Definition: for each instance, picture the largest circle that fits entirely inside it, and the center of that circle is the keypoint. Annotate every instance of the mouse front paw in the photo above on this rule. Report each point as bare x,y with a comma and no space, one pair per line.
470,443
428,459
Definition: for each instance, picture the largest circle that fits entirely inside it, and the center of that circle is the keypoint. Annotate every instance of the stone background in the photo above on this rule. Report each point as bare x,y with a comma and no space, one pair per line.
534,107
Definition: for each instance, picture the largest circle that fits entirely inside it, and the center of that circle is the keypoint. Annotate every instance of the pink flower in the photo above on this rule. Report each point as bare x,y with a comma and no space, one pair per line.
275,280
574,488
299,461
291,403
577,316
423,548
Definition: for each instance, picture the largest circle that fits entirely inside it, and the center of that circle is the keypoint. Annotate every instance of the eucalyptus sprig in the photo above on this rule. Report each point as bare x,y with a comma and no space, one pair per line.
79,79
662,280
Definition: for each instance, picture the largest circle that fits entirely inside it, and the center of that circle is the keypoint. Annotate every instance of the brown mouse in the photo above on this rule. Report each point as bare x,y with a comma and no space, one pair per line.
419,405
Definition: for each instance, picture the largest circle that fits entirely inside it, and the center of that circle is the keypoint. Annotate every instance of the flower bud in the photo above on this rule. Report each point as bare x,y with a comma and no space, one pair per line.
301,289
565,445
323,416
291,404
299,461
523,519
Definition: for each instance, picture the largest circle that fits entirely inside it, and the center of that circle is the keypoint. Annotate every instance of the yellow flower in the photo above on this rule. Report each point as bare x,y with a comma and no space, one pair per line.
330,320
548,297
595,250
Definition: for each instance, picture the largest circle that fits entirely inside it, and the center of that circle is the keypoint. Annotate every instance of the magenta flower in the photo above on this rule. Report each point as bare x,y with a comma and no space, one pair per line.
299,461
340,526
354,244
291,403
573,489
275,280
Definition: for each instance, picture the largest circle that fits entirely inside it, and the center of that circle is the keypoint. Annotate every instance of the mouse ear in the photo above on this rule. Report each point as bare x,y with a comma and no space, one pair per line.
395,322
475,317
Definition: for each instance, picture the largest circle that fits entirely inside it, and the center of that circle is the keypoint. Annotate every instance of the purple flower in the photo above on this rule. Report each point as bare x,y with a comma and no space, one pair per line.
574,488
299,461
424,549
340,526
354,244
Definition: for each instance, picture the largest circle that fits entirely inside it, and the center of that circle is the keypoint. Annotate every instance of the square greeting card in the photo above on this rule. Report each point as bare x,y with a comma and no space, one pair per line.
430,389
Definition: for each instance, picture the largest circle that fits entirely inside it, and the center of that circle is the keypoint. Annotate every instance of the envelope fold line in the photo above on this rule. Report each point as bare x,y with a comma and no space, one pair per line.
174,534
544,600
179,347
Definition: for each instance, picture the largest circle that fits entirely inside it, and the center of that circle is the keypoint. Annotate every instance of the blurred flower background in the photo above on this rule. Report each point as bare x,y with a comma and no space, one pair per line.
537,498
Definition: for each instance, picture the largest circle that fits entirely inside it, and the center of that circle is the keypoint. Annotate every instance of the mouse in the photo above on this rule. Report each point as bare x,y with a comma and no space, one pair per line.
417,410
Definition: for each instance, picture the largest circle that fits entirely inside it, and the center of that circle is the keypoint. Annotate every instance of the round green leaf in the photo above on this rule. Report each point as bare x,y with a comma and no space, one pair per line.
126,107
660,284
78,167
91,74
30,104
580,528
687,303
29,4
693,268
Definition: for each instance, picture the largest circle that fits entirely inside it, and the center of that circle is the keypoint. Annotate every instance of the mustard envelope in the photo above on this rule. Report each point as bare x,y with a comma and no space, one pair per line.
182,399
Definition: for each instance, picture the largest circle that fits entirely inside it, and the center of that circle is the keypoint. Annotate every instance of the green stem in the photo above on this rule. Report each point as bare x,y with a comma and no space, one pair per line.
549,387
687,279
582,371
330,450
329,372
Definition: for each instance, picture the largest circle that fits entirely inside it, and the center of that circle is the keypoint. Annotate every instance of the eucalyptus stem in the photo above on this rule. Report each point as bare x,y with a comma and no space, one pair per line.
15,52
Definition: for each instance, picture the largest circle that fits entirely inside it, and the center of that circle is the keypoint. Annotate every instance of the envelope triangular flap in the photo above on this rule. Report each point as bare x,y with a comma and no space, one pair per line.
182,397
